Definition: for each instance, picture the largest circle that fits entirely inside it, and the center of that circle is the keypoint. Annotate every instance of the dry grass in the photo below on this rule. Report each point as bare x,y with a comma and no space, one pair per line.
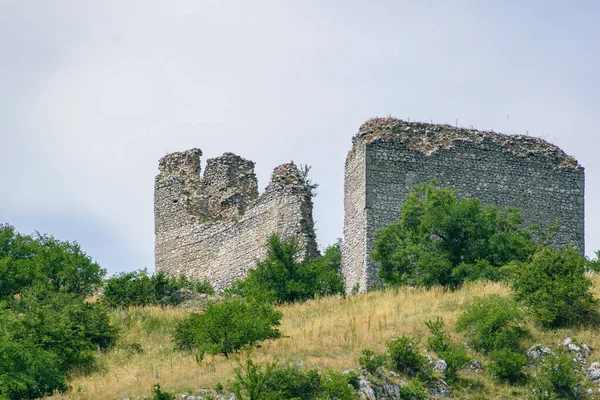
328,332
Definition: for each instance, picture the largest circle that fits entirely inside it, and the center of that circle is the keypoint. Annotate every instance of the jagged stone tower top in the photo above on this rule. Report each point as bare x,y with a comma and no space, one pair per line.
214,226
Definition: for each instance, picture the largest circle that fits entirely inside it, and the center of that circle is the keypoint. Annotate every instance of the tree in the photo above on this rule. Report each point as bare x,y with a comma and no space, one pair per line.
281,277
47,330
46,263
443,239
555,289
226,327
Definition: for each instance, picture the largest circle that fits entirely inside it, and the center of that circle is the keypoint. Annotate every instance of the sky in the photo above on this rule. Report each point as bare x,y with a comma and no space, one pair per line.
93,93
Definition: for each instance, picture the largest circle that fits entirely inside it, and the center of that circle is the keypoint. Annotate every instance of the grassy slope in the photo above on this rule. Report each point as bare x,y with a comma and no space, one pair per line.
329,332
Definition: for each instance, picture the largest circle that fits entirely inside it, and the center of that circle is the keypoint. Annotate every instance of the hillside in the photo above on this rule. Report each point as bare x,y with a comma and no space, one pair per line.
324,333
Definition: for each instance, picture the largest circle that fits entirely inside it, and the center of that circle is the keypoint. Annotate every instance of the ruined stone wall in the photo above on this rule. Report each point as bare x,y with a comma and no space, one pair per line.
215,227
538,178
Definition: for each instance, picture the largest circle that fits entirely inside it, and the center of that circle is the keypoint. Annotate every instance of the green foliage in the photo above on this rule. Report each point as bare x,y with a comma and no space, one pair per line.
555,289
228,326
593,265
371,361
272,382
442,239
507,366
136,288
558,377
28,371
282,278
493,323
47,330
158,394
44,263
454,354
414,390
405,357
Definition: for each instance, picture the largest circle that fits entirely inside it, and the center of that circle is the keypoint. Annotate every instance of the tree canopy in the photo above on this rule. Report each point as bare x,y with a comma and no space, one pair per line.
444,239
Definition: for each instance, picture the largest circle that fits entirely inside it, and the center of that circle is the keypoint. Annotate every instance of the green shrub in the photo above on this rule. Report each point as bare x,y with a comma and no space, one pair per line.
46,264
442,239
281,277
228,326
593,264
47,330
555,289
507,366
28,371
272,382
558,377
65,325
158,394
454,354
493,323
405,357
128,289
414,390
371,361
136,288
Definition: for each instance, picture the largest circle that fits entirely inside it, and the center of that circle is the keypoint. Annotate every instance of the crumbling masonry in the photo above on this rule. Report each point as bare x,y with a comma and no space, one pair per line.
389,156
215,227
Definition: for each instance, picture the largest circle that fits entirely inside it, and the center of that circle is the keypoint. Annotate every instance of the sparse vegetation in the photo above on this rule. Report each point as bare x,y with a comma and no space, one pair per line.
372,361
323,333
453,353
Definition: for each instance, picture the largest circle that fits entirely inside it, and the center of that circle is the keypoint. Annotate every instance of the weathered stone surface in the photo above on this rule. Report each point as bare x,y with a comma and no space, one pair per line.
538,352
215,227
580,351
390,156
593,372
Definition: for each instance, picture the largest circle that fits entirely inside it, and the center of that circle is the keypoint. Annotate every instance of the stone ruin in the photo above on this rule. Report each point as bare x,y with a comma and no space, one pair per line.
389,156
214,227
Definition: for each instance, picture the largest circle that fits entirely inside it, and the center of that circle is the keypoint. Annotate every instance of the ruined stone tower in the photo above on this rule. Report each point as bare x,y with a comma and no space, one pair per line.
389,156
215,227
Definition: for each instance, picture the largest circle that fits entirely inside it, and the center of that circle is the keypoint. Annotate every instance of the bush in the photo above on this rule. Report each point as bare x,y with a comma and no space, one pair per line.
442,239
228,326
47,330
555,289
158,394
454,354
281,277
558,377
136,288
44,263
28,371
507,366
371,361
414,390
271,382
593,265
405,357
493,323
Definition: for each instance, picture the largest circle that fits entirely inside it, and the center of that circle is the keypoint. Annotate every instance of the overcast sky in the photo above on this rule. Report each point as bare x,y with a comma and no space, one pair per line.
93,93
